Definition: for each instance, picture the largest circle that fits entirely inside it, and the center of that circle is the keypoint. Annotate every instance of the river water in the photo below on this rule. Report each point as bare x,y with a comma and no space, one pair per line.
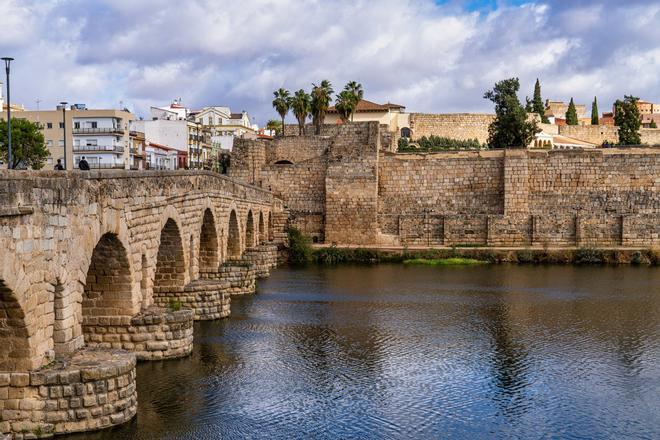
392,351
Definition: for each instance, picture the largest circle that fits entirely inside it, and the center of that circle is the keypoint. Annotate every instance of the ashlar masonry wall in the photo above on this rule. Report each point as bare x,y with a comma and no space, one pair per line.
348,190
608,197
351,183
462,126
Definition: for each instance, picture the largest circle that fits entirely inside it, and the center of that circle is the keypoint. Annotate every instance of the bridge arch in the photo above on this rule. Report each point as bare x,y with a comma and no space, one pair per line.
209,255
233,236
270,226
249,230
16,352
108,288
170,259
262,228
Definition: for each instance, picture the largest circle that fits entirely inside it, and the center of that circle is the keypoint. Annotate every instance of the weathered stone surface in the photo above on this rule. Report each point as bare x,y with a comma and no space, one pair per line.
343,192
88,264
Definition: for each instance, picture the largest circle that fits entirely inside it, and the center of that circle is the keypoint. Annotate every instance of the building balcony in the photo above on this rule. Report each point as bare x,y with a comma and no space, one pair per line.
99,148
101,130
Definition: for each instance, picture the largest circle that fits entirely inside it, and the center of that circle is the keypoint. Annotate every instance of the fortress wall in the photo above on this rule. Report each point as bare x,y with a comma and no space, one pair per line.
301,186
296,149
447,183
350,193
351,183
247,158
605,197
452,125
596,134
650,136
607,181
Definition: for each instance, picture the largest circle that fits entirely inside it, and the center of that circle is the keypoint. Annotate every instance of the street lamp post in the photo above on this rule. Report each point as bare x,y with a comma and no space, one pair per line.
199,152
63,104
8,61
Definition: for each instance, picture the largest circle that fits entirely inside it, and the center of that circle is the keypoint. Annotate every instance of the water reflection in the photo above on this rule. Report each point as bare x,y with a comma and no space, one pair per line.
418,352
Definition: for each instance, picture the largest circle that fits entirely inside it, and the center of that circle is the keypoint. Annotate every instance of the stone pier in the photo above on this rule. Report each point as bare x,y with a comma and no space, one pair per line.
92,389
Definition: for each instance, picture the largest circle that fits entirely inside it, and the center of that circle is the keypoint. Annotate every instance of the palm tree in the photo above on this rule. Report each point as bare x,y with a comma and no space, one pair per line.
274,125
321,98
301,104
357,91
345,104
282,104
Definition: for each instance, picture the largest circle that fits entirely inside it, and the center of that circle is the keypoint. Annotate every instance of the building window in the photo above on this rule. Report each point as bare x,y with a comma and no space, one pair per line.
61,124
76,125
91,142
76,142
60,143
49,125
49,144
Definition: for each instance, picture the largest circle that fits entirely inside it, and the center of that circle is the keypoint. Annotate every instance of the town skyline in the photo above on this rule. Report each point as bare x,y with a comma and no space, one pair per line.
437,57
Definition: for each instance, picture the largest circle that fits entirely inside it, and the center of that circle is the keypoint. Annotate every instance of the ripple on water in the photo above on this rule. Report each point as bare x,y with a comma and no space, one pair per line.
418,352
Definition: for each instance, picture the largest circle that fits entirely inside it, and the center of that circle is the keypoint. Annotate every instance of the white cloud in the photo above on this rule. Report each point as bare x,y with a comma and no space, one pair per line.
413,52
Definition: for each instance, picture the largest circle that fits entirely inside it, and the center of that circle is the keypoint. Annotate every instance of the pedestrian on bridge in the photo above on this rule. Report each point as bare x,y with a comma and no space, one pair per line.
83,165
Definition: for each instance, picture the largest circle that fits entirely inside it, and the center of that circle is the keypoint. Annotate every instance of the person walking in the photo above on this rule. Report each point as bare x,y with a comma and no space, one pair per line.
58,165
83,165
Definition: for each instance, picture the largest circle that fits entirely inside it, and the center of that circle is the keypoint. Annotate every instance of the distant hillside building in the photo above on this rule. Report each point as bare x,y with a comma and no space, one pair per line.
225,126
393,115
555,111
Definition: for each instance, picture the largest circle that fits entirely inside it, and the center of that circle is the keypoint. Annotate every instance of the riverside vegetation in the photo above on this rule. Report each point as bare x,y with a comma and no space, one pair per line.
301,252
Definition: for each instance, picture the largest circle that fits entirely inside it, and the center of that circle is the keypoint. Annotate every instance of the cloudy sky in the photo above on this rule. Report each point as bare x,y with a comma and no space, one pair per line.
432,56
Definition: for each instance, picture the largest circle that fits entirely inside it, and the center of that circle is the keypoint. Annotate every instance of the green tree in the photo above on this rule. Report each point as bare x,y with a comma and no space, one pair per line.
27,144
529,107
355,89
321,98
282,104
537,103
627,118
345,104
510,127
301,105
594,112
571,114
653,124
275,126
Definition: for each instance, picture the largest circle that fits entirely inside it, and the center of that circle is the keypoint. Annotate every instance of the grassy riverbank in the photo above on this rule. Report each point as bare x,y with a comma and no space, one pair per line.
456,261
301,251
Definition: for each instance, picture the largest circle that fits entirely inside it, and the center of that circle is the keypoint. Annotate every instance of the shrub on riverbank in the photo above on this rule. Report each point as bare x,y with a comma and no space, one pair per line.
300,247
334,255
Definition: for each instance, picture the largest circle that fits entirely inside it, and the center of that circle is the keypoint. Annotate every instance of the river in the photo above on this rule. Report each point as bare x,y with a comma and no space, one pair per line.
392,351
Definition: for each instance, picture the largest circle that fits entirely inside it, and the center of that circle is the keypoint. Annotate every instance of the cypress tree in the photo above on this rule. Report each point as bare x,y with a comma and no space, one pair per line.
571,114
594,112
537,103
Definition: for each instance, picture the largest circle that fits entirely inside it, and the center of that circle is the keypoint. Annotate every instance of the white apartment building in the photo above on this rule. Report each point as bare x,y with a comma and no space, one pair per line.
225,126
103,140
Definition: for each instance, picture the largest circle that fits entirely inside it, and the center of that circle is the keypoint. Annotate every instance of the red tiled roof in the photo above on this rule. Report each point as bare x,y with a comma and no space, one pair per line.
368,106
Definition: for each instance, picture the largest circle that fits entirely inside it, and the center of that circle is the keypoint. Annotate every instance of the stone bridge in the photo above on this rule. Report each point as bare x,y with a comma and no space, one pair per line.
99,269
